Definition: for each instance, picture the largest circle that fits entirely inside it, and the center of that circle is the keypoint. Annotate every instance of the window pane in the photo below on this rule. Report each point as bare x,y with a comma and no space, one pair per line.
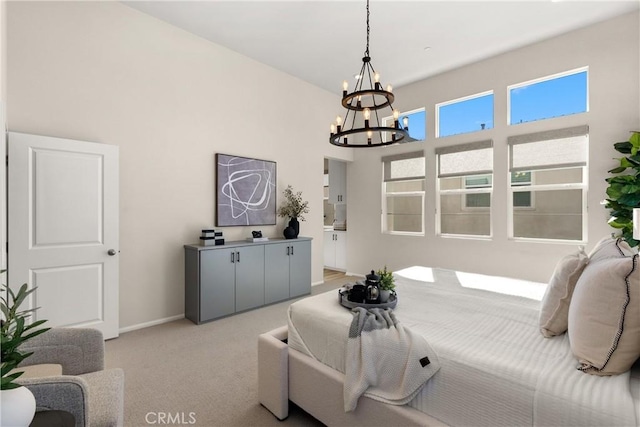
404,213
470,115
477,181
455,220
404,186
482,200
557,215
417,122
522,199
520,178
556,97
558,176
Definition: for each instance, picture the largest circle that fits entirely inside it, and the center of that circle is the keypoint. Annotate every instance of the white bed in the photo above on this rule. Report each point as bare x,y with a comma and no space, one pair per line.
496,367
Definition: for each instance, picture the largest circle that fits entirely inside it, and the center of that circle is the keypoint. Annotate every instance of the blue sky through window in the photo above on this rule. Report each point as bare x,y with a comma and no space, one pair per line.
556,97
417,124
469,115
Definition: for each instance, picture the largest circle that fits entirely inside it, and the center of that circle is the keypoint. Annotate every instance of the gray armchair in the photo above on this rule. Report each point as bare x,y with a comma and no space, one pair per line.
92,394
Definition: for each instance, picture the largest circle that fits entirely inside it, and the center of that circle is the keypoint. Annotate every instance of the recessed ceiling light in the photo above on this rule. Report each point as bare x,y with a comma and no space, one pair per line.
427,48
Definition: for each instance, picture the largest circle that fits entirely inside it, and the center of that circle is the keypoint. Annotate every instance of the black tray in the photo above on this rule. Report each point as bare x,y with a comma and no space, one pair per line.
344,301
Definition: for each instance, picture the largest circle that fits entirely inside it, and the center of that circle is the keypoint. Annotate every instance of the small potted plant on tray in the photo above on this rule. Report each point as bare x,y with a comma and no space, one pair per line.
387,284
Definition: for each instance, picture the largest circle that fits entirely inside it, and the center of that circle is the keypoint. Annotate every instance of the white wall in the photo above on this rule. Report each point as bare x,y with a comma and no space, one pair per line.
3,146
610,49
103,72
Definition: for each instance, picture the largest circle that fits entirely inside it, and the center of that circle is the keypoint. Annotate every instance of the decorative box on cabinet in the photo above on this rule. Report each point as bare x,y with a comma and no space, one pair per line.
223,280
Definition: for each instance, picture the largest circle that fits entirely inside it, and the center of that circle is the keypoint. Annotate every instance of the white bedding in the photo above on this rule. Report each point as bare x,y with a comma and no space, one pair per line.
496,368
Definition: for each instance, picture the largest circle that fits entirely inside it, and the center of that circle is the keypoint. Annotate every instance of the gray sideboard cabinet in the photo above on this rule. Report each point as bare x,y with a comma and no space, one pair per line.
239,276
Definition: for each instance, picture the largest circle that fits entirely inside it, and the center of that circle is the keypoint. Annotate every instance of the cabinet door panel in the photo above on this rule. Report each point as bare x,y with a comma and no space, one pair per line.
300,269
341,250
276,273
250,277
217,284
329,249
337,182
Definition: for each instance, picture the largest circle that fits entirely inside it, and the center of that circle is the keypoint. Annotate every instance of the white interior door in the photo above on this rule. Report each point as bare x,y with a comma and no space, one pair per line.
63,229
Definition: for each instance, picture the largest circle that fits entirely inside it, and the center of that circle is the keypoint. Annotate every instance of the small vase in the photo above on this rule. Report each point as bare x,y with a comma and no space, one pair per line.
293,223
18,407
289,233
384,295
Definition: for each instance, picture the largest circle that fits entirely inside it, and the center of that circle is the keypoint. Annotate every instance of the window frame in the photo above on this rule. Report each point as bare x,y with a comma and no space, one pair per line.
383,212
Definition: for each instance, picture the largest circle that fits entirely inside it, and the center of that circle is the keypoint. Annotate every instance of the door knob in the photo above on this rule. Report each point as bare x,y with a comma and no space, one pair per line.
111,252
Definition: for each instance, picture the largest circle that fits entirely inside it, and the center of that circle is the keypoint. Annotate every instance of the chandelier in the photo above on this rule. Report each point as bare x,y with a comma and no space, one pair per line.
363,124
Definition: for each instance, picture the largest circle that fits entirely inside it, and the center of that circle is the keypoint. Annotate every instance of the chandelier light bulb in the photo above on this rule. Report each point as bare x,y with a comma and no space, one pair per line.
376,77
333,128
345,85
389,88
405,122
338,120
396,114
366,113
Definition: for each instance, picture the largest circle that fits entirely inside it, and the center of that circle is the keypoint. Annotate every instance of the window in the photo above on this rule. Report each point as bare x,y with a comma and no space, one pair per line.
469,114
477,200
415,120
548,97
522,199
465,185
403,193
557,159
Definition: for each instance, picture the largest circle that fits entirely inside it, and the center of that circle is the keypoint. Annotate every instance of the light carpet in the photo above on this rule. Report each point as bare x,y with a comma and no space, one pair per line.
179,373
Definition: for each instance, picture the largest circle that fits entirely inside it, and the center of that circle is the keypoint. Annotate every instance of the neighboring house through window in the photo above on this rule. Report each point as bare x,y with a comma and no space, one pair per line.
465,180
403,193
558,160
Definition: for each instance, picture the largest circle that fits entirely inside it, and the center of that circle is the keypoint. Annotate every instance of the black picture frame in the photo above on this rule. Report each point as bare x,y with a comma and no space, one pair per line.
245,191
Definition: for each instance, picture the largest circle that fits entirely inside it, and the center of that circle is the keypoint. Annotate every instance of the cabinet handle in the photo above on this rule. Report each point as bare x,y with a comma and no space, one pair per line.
233,257
291,250
288,250
238,253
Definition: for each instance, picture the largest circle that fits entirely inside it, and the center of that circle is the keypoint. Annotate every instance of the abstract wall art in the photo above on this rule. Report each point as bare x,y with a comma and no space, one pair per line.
245,191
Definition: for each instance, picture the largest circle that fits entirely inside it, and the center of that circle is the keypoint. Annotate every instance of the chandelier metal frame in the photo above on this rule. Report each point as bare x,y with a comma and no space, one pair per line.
367,101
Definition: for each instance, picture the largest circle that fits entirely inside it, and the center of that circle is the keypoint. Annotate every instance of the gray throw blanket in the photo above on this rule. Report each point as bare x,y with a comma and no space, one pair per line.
385,361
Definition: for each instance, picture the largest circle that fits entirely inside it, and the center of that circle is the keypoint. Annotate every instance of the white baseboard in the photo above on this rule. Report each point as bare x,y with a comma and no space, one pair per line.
152,323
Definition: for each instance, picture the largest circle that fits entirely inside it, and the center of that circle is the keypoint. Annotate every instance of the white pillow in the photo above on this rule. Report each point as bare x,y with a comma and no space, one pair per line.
604,316
554,310
610,247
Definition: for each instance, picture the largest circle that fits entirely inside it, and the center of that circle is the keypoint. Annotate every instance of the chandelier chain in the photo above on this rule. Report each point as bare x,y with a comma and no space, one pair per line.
366,52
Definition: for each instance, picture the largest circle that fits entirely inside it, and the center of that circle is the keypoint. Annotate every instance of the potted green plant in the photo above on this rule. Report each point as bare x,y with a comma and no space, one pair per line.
387,283
624,188
294,208
18,403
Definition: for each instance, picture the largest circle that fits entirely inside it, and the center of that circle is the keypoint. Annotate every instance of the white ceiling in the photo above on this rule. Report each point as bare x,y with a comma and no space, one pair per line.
322,42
